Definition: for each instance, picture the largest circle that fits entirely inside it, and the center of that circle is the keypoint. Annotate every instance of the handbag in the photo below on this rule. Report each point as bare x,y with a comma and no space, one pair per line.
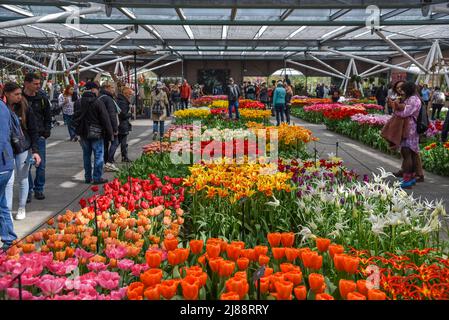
157,109
95,132
18,140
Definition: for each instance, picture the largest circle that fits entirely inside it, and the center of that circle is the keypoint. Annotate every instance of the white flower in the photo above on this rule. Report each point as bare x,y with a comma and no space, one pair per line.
306,234
275,203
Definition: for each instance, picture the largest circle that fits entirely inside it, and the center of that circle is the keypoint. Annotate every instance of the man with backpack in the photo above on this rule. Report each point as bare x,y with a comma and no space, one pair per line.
107,92
7,234
39,103
91,122
233,92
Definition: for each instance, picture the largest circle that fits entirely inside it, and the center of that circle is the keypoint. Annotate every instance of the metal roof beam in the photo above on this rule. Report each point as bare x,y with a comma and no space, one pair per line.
286,14
6,22
266,4
392,14
338,14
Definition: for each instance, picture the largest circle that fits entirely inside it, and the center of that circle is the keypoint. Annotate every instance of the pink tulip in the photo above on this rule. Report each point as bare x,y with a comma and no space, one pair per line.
51,285
125,264
137,269
80,253
108,280
13,293
119,294
116,252
29,280
96,266
5,282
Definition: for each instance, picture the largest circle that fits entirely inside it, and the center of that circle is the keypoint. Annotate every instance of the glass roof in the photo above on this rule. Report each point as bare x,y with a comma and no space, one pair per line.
253,31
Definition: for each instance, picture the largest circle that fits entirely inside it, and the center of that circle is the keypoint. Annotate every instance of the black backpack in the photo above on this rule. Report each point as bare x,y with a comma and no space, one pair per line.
422,123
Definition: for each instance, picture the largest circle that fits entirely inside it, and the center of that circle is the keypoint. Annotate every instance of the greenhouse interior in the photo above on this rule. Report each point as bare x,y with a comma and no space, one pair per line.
224,150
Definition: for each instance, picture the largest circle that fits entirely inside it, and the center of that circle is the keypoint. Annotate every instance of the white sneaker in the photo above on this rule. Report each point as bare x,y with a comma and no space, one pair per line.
21,214
111,167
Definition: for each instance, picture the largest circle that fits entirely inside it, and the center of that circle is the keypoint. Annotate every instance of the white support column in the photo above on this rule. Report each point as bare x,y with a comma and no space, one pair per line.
152,63
405,54
348,74
40,65
20,63
50,68
391,66
426,62
103,47
431,63
386,69
325,64
315,69
443,63
118,60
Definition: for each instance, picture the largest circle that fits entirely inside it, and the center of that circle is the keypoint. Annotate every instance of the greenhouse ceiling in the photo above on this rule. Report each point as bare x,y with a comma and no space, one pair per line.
247,29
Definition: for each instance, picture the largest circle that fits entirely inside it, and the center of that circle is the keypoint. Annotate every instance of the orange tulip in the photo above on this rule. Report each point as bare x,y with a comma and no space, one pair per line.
168,288
238,285
213,250
263,260
202,260
214,264
230,296
335,249
286,267
346,286
295,276
278,253
261,250
190,288
274,239
268,271
242,263
339,261
312,260
375,294
152,293
153,258
351,264
60,255
284,290
239,244
362,288
233,251
301,251
249,253
301,292
196,246
324,296
316,282
173,257
291,254
264,284
355,296
322,244
183,254
241,275
28,247
151,277
287,239
135,291
171,244
226,268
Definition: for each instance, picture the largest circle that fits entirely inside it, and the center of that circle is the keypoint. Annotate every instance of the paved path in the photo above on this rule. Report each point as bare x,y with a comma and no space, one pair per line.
368,160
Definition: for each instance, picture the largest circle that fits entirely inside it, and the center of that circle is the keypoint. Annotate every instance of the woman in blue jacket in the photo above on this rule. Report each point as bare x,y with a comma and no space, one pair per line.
279,102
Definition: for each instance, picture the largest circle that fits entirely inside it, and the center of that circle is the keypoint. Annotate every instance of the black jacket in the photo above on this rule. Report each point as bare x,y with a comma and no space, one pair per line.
229,94
40,106
381,93
124,126
445,128
30,132
111,108
91,110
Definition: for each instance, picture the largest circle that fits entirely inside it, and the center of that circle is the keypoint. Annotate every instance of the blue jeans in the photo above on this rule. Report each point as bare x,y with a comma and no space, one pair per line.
158,125
22,169
97,147
234,104
6,226
113,149
39,182
280,111
68,120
